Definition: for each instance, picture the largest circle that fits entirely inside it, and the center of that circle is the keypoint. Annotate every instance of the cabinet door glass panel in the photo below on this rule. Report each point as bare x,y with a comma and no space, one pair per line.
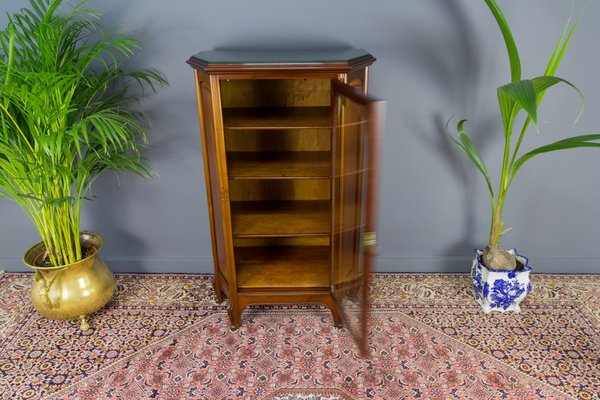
354,143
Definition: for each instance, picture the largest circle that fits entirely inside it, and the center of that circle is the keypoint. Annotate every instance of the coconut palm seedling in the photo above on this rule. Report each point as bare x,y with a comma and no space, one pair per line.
517,97
66,115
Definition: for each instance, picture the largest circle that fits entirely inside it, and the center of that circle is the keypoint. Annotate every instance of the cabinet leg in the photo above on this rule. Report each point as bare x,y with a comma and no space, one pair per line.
337,320
217,288
219,297
235,317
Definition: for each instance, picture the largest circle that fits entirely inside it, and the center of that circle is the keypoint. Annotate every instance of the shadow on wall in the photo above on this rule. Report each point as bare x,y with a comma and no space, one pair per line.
271,44
453,64
108,216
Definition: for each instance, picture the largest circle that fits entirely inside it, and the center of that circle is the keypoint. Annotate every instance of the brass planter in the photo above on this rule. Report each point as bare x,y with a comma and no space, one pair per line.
71,291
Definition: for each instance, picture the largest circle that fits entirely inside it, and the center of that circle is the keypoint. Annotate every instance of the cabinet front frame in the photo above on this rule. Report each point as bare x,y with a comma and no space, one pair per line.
273,295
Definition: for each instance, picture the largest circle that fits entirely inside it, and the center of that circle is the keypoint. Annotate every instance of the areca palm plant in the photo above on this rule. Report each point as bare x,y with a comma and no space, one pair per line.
517,97
66,115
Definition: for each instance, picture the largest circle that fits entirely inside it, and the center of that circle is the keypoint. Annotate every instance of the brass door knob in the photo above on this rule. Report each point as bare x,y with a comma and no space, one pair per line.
370,243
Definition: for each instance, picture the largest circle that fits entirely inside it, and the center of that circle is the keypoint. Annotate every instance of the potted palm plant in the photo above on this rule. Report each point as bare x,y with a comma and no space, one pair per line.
501,277
66,116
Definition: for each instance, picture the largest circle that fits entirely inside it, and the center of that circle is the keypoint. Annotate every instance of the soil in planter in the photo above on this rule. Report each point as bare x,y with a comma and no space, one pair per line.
43,261
520,266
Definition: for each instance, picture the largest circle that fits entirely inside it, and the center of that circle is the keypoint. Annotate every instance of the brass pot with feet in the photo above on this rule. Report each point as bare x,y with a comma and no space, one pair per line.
71,291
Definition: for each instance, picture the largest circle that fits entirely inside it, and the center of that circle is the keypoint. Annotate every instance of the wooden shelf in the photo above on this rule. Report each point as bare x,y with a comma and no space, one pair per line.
279,165
277,118
276,267
280,218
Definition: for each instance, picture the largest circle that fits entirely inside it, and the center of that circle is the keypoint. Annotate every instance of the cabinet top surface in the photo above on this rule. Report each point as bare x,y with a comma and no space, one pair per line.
260,59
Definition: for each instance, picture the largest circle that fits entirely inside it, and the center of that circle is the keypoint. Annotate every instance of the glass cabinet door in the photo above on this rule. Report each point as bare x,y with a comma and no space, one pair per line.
356,125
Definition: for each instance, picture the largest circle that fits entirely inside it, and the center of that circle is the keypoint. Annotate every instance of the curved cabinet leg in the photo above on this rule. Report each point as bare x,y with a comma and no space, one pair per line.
219,297
337,319
217,289
235,316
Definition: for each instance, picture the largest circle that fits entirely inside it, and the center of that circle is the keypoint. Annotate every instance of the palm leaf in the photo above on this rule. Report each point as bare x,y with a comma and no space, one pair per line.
509,41
541,83
564,144
526,95
514,97
469,148
561,46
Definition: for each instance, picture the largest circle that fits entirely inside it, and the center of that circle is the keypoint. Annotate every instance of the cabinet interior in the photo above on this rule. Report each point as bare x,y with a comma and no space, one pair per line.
279,164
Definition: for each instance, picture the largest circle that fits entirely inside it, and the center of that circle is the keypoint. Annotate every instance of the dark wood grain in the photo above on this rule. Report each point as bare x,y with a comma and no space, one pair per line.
280,218
279,165
282,267
277,118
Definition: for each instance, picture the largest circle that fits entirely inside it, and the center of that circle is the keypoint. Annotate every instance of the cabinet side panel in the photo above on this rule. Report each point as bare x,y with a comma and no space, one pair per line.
216,202
204,127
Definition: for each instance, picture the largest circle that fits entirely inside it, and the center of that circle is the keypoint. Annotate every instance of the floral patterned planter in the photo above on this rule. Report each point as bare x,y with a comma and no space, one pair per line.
497,290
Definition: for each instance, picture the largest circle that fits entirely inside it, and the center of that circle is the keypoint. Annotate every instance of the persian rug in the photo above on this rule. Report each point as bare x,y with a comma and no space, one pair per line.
164,337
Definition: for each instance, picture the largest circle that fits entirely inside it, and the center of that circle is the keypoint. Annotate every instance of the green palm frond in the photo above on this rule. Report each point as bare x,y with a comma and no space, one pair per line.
564,144
522,95
468,147
66,115
509,41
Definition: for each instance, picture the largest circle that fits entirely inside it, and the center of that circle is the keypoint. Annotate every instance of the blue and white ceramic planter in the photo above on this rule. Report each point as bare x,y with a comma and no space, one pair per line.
497,290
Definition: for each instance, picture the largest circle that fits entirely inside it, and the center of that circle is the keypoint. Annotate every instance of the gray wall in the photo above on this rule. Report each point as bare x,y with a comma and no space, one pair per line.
436,58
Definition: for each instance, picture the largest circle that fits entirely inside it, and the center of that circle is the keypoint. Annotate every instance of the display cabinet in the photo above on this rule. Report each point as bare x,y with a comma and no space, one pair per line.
290,150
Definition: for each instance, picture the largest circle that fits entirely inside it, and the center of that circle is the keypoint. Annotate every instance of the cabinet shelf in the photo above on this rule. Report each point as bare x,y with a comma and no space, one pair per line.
280,218
278,267
279,165
277,118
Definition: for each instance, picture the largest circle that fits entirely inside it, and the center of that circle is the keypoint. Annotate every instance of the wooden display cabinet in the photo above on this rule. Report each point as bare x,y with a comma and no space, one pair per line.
290,143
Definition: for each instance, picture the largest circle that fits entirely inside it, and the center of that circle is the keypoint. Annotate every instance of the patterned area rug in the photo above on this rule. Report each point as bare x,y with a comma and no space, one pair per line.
163,336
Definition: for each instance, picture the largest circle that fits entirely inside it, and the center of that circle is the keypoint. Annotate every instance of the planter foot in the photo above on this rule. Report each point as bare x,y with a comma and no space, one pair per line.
84,323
